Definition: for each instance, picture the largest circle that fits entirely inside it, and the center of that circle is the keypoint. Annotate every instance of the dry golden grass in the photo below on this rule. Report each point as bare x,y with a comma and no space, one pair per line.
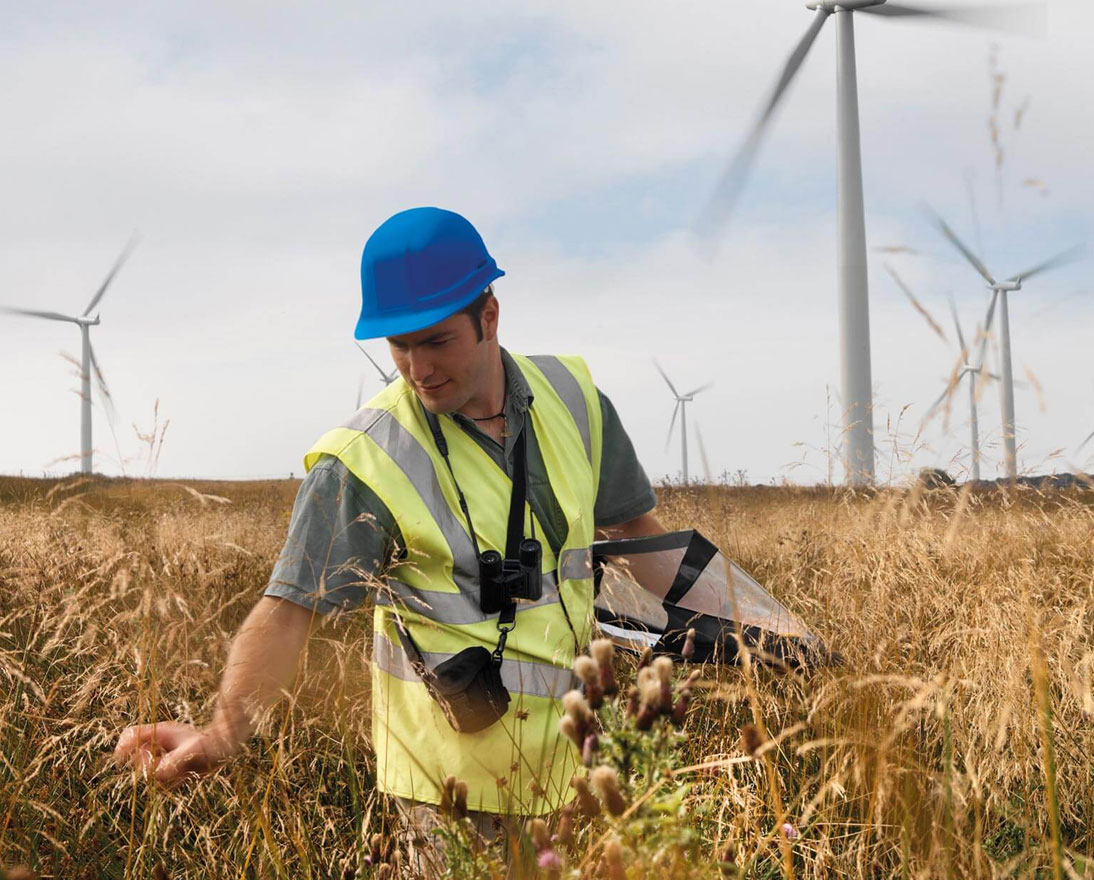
965,620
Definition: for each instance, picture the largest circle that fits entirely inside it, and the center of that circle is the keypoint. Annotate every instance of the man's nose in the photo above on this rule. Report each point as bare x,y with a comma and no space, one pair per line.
420,366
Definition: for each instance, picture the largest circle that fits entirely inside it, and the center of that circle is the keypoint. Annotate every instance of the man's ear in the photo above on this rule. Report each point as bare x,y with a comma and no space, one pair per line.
489,319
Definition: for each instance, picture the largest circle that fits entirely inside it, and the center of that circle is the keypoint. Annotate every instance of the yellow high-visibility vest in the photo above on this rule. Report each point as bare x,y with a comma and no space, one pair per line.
521,764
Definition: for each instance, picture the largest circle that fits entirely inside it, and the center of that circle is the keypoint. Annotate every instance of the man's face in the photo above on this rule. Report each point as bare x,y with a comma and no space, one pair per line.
447,364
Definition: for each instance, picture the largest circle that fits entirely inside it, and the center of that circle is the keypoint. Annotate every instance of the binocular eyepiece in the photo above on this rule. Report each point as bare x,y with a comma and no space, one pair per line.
504,581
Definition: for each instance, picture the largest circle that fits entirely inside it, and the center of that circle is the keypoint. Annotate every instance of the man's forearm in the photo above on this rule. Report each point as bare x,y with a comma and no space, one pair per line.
262,662
653,571
639,527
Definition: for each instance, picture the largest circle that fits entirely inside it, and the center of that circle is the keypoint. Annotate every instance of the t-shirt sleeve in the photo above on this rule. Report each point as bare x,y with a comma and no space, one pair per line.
340,539
625,491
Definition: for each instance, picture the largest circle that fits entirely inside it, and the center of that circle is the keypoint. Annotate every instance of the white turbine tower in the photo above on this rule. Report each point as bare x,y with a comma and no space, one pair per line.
87,355
682,400
854,309
999,291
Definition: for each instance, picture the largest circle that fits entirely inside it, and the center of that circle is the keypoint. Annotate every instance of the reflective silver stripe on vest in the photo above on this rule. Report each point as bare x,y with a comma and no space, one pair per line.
518,676
576,564
409,456
566,387
455,608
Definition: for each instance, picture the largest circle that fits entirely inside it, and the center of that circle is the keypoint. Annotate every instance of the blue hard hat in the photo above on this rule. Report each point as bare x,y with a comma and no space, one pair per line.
420,267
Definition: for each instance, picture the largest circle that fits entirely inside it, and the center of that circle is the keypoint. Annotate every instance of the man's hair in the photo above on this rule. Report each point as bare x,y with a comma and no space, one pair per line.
473,309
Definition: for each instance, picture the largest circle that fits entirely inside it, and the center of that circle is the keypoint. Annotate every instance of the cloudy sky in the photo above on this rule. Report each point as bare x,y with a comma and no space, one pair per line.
255,146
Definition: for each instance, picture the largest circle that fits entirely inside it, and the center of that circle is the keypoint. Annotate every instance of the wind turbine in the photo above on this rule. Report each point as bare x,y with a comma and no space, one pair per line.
854,306
87,354
682,400
388,378
973,372
964,368
999,291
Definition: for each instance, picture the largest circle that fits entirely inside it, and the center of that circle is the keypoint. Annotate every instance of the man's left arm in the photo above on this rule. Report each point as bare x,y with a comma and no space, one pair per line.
639,527
625,499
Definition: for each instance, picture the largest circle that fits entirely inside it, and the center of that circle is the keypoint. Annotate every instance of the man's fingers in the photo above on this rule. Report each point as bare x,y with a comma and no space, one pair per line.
189,760
161,737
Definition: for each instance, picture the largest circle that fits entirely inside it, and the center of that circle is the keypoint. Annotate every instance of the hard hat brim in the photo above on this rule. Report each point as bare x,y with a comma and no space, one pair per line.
407,321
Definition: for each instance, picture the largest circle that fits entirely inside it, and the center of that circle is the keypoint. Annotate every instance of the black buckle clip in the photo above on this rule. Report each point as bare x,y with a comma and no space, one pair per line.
507,622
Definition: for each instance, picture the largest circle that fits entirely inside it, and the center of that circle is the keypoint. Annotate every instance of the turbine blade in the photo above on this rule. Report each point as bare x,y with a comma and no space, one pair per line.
991,311
100,381
968,254
729,187
697,390
987,327
672,424
126,251
1089,437
379,369
916,303
949,389
1063,258
961,336
34,313
1017,18
360,390
666,378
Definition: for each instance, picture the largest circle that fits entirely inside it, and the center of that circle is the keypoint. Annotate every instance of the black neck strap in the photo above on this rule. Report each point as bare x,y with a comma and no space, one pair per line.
518,500
515,535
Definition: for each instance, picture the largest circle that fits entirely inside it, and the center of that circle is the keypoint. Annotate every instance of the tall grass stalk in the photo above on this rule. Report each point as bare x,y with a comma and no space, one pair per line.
1043,693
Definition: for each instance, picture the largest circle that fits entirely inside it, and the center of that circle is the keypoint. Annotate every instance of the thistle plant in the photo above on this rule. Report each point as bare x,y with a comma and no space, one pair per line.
629,742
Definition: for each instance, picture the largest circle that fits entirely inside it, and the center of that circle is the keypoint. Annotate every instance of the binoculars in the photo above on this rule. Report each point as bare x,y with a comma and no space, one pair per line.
504,581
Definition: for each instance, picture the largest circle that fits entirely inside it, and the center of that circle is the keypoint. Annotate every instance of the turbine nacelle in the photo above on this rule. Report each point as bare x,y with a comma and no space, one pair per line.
850,5
1016,284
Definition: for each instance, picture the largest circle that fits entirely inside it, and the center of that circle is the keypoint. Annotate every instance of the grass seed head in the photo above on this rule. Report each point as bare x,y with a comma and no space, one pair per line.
537,831
613,860
688,651
565,835
588,672
603,652
751,739
586,669
568,727
586,801
605,780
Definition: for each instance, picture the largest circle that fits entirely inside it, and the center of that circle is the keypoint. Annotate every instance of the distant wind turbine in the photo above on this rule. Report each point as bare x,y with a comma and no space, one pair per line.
87,355
999,290
973,372
853,300
682,400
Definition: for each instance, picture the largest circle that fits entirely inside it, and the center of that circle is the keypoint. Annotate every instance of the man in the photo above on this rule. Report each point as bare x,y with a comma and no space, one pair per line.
409,494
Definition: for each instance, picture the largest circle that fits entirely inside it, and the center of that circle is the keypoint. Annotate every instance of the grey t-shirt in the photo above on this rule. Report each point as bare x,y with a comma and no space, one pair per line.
341,534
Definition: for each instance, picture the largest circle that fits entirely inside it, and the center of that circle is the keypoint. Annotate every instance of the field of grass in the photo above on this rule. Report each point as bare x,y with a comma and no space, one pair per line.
956,741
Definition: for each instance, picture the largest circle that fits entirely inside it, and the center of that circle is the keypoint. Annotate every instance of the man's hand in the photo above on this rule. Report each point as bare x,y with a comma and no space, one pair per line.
262,662
174,753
